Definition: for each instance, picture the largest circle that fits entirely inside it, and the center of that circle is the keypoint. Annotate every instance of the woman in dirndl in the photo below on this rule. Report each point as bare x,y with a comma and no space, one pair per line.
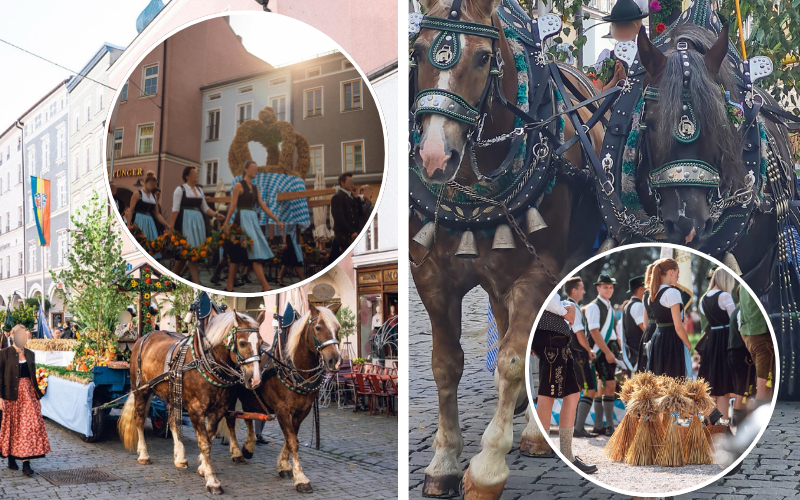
649,321
188,206
246,199
292,256
144,212
669,346
22,433
717,305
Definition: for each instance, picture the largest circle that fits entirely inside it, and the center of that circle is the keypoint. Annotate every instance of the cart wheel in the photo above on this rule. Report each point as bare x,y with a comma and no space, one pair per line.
159,421
98,427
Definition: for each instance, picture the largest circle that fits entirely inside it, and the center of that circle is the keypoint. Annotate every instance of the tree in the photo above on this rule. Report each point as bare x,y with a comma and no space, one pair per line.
24,315
347,321
95,265
180,301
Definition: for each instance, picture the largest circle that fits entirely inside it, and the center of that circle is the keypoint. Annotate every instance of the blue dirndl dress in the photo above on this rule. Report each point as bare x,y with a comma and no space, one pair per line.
190,221
247,219
144,218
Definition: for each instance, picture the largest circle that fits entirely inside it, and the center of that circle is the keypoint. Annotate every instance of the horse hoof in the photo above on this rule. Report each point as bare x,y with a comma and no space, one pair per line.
214,490
440,487
285,474
182,465
144,461
247,454
239,460
472,491
534,448
304,488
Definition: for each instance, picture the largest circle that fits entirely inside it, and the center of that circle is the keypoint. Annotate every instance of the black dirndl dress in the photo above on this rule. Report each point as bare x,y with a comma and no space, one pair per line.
556,367
666,348
714,360
647,335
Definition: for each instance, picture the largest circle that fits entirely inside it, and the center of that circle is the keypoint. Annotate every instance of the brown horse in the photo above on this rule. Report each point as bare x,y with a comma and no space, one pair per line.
312,348
230,340
516,280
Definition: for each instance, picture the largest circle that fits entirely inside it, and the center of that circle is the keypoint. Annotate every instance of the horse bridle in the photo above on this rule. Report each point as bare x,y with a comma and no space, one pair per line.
241,360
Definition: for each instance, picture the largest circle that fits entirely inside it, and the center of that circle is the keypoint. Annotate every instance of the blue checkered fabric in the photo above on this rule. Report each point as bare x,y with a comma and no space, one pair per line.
292,213
491,356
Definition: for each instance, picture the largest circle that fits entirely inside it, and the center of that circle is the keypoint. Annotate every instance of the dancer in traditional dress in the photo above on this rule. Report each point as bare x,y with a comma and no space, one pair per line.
292,256
22,433
600,320
741,366
632,324
650,323
557,374
188,206
583,356
758,341
717,306
144,212
245,197
669,347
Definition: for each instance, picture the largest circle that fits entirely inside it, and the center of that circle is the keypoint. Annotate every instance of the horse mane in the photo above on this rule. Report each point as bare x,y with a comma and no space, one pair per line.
473,11
296,331
725,144
221,324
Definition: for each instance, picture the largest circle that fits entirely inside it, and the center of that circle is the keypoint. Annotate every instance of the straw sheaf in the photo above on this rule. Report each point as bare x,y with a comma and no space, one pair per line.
269,132
699,392
675,398
52,344
627,390
644,401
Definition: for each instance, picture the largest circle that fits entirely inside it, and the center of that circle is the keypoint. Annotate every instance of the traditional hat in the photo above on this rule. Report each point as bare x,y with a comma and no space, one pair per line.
625,10
634,283
605,279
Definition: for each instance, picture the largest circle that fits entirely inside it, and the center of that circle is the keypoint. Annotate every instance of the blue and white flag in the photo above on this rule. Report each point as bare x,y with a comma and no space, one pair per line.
43,331
491,334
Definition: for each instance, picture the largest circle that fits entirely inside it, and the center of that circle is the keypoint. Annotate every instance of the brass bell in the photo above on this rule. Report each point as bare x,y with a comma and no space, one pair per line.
425,235
730,261
503,238
607,245
467,248
534,220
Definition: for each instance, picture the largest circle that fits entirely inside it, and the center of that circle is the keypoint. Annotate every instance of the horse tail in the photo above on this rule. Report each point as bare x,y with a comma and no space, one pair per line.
126,425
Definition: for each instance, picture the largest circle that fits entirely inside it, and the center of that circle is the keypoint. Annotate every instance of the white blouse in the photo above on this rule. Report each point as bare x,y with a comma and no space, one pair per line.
670,297
725,301
190,193
147,197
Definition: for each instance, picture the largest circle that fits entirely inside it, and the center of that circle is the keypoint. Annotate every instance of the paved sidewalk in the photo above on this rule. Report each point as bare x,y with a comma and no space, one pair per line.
357,459
770,472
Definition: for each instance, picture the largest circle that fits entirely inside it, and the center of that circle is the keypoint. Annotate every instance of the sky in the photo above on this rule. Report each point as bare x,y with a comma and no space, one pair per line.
67,32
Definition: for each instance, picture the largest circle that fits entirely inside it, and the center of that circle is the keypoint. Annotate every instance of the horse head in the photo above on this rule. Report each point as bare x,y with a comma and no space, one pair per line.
239,335
692,148
453,58
316,334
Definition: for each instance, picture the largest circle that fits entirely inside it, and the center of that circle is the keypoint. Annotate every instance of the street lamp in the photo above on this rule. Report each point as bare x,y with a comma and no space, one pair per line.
264,3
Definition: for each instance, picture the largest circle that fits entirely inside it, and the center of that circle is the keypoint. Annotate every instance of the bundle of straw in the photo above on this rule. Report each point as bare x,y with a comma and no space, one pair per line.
644,404
621,440
675,403
696,448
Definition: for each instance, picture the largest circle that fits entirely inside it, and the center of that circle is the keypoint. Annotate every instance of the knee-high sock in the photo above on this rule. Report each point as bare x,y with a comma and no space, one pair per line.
584,406
565,441
738,416
608,409
598,412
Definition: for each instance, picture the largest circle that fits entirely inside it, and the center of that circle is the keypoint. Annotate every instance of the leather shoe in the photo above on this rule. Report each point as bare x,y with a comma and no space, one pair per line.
580,432
585,468
12,463
609,431
598,430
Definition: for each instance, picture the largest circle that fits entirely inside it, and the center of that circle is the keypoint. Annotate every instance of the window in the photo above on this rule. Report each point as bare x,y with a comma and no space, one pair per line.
213,126
244,112
45,153
37,122
21,220
32,256
1,186
99,149
88,107
150,83
19,173
212,168
53,109
47,261
76,165
63,249
8,221
62,191
99,99
353,156
8,152
215,97
8,181
312,72
8,266
347,65
61,145
351,95
124,96
316,160
87,165
146,139
118,143
21,261
245,89
279,105
313,102
1,268
277,81
77,124
19,143
32,159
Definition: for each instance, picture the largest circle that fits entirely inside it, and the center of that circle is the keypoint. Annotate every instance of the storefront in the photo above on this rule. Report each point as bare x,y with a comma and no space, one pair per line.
377,303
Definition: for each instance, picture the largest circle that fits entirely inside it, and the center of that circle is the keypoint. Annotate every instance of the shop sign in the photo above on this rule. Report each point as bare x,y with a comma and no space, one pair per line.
369,278
390,276
131,172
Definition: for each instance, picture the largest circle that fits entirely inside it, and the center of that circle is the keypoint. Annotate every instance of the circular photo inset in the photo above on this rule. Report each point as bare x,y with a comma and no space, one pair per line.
652,370
246,153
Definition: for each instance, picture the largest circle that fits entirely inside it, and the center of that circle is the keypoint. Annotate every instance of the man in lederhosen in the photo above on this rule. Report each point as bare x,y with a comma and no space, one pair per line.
557,379
632,324
582,354
600,321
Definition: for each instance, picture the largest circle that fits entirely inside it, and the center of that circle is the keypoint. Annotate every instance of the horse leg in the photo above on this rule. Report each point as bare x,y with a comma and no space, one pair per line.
443,474
141,400
284,467
179,452
233,444
487,472
249,446
301,483
204,443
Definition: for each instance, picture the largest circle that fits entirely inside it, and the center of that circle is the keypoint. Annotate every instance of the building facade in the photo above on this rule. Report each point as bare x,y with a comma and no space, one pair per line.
45,149
12,219
226,105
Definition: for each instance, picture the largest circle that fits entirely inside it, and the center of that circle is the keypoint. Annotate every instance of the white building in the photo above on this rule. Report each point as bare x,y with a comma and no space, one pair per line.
89,98
12,233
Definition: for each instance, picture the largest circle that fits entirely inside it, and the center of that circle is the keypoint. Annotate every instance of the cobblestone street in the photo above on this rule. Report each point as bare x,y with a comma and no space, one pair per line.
769,472
357,458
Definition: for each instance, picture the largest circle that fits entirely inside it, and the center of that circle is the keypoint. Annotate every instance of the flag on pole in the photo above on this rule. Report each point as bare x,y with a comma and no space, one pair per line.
43,332
40,193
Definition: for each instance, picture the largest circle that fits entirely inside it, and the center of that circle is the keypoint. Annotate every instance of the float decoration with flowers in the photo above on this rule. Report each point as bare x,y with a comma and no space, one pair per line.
235,235
152,247
179,247
145,282
94,348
